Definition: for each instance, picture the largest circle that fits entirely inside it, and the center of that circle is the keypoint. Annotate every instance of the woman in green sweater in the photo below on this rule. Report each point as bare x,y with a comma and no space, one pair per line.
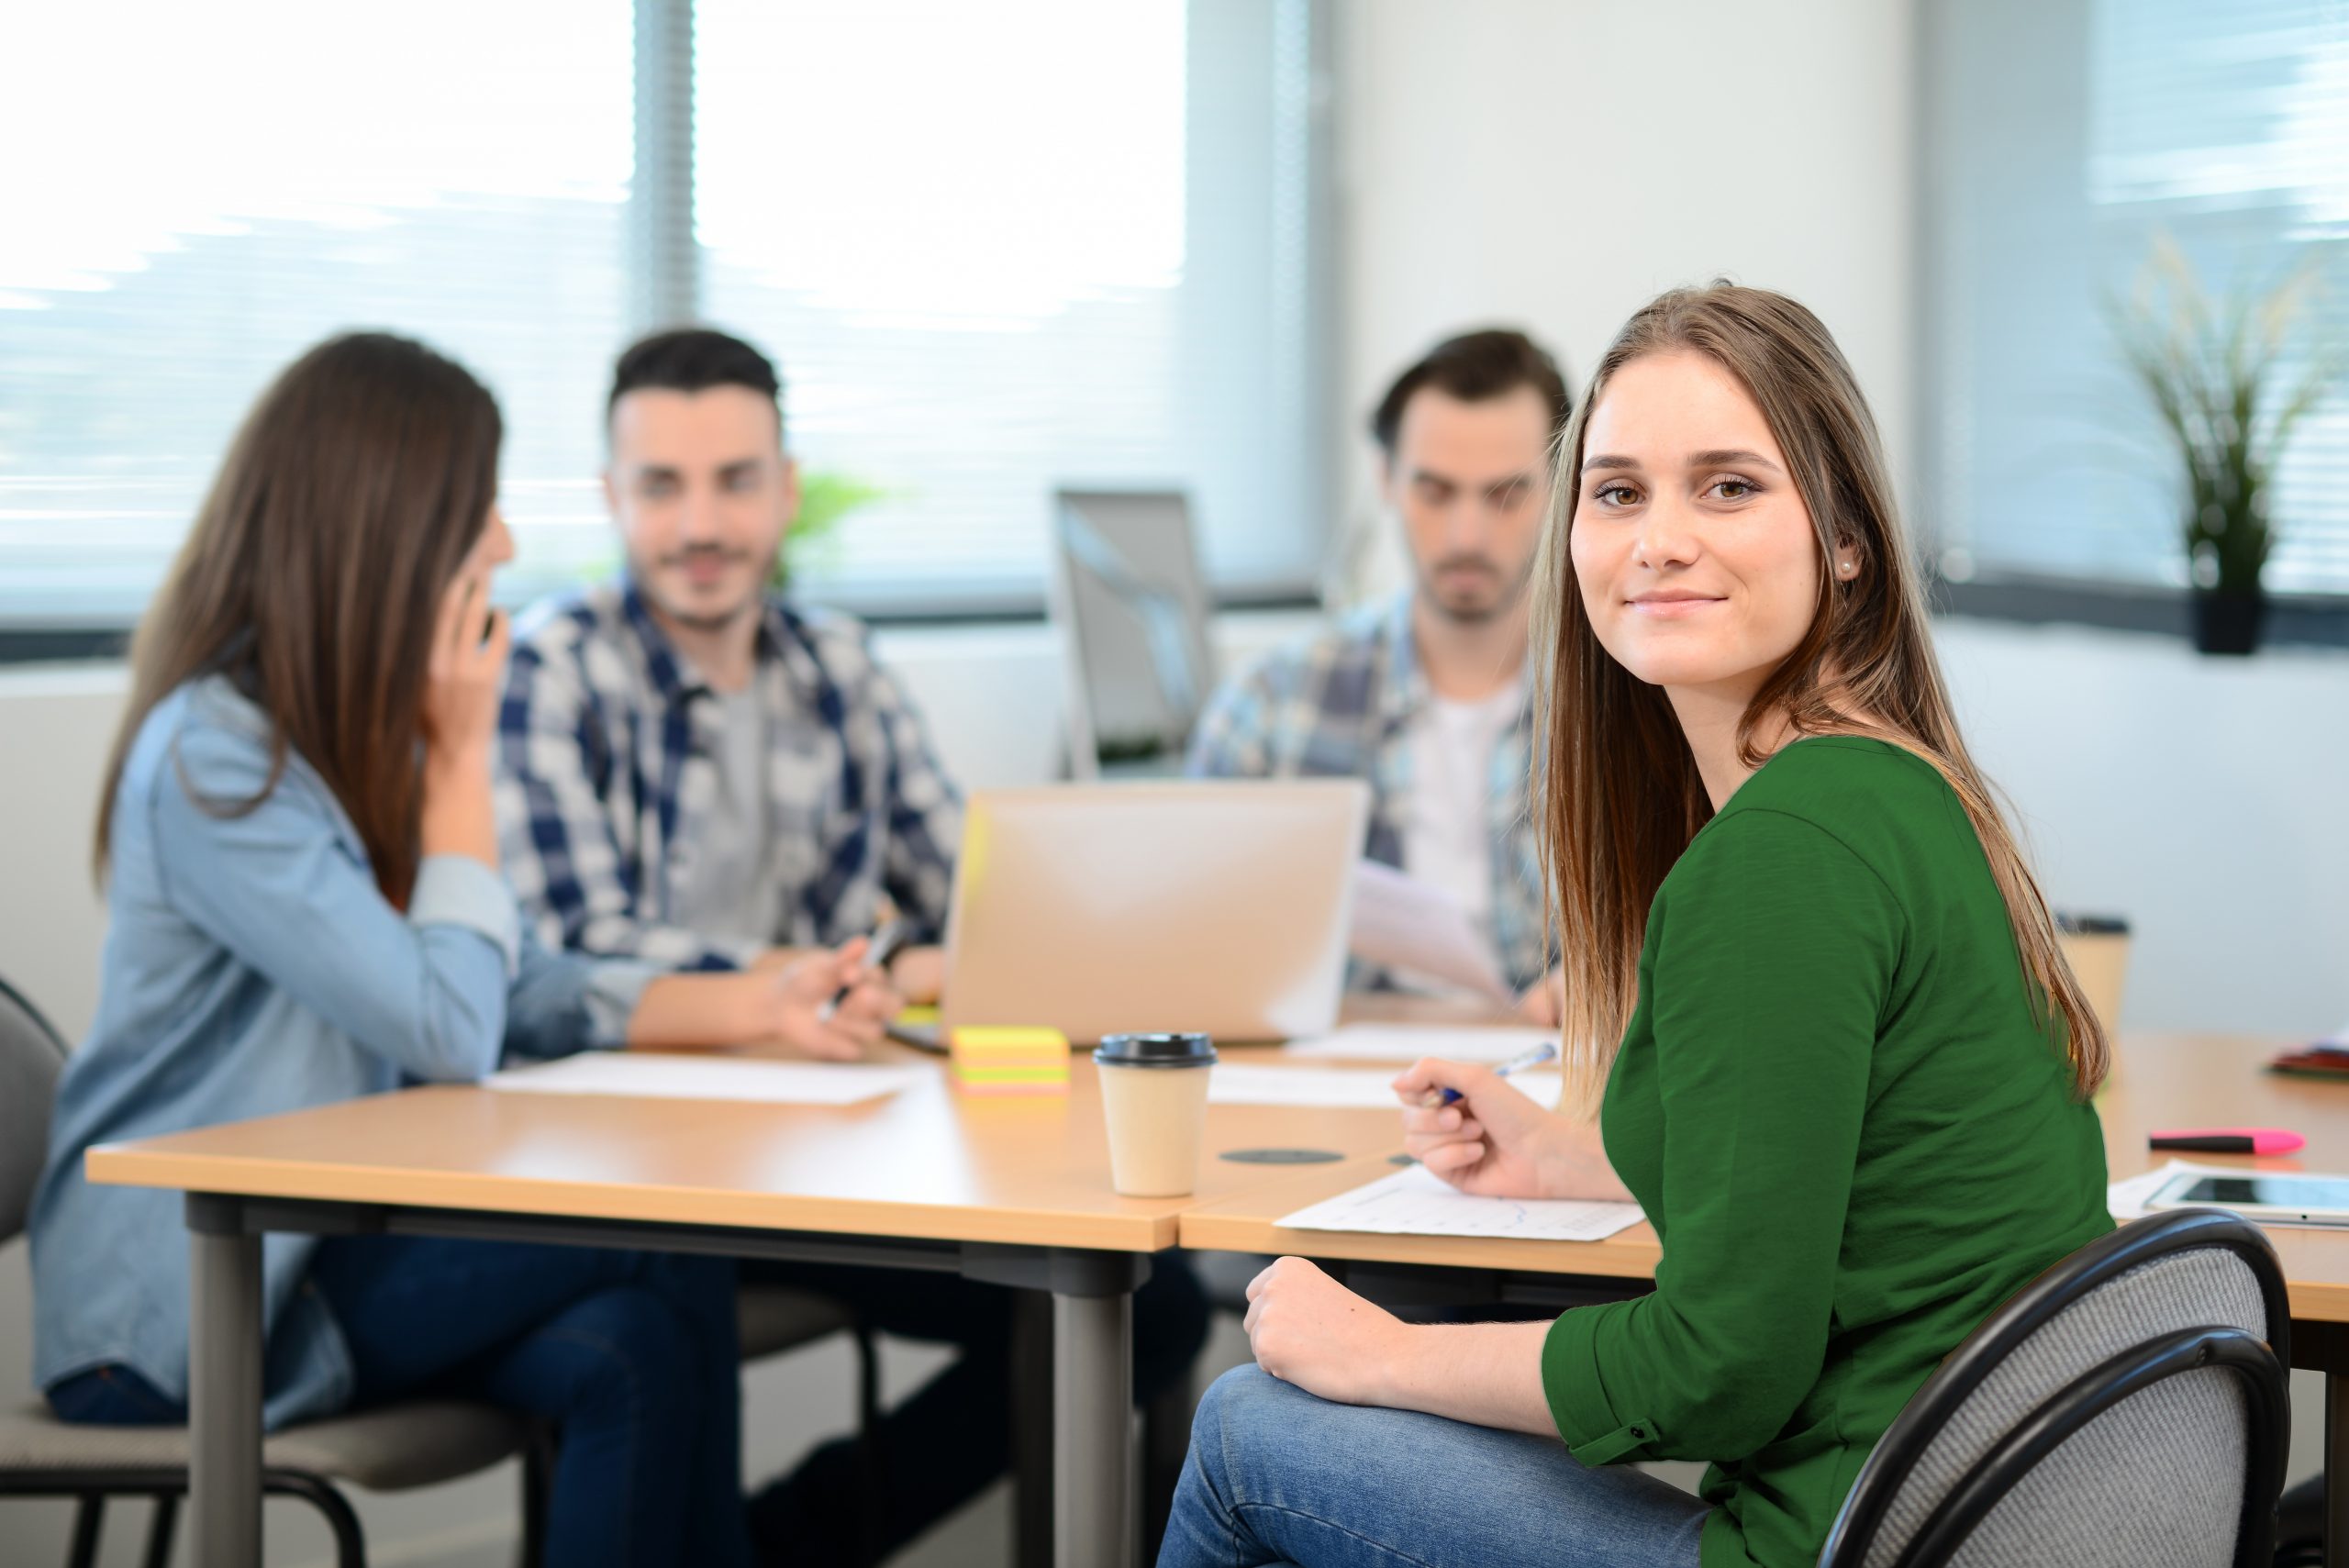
1812,993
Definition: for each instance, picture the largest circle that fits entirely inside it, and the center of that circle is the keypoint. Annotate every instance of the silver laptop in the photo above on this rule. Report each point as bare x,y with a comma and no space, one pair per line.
1095,910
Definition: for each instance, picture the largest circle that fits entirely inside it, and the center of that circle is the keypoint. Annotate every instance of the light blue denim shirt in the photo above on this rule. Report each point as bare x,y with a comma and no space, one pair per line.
251,966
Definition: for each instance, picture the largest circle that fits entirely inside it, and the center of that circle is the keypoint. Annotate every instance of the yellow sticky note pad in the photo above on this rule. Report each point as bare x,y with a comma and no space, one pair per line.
1009,1060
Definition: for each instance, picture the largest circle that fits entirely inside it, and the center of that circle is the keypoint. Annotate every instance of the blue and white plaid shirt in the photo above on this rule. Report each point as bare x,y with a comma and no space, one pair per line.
1340,703
607,748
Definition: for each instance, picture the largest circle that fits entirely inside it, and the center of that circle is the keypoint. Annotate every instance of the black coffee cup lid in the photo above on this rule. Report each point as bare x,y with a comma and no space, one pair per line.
2078,925
1155,1050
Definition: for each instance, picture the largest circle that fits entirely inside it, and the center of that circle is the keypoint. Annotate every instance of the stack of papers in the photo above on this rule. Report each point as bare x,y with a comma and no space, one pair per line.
1416,1203
659,1075
1371,1088
1408,1042
1402,923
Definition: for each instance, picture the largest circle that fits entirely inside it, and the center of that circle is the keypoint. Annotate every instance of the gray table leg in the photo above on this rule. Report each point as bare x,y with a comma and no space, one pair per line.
1093,1360
224,1384
1093,1516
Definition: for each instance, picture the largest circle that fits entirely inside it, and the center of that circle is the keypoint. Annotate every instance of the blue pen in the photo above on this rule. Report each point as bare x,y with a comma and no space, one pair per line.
1546,1052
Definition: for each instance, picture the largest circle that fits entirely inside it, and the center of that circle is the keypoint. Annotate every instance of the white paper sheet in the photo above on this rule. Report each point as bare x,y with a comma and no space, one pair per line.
1414,1203
1251,1083
658,1075
1403,923
1409,1042
2127,1198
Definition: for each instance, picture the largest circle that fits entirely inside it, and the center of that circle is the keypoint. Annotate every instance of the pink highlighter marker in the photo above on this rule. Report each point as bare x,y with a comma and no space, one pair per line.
2229,1141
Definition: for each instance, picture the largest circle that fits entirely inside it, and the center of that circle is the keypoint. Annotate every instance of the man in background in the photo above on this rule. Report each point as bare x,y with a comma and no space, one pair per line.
1426,695
697,772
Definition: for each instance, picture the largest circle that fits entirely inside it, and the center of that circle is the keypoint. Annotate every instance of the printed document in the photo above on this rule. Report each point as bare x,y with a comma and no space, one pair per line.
1406,1043
1414,1203
1403,923
1249,1084
662,1075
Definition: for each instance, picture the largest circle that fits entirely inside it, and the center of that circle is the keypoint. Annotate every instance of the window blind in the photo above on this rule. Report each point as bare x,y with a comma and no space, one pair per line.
997,249
197,195
1002,249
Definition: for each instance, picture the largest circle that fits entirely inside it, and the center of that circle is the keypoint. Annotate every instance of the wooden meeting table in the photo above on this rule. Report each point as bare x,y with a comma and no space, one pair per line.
1013,1191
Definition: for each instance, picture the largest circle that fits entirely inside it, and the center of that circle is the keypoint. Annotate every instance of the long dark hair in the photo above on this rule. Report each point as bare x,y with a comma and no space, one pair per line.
1622,797
313,576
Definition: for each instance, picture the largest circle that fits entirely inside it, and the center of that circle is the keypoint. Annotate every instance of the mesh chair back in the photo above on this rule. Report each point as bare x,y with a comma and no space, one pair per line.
2170,1337
31,1056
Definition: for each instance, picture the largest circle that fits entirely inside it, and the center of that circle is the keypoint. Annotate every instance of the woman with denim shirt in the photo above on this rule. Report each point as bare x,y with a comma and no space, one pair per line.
305,906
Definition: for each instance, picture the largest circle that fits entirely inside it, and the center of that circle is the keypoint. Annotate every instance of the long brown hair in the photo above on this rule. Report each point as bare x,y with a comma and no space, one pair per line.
313,576
1621,796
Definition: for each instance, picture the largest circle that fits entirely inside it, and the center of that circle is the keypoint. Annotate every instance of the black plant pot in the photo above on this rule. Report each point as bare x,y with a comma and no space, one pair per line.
2228,621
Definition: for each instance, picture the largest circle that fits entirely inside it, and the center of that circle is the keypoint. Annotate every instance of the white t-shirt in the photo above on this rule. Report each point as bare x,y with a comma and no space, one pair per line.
1447,834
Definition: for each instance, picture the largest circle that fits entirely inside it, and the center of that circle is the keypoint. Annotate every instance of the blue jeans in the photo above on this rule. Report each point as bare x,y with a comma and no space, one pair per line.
631,1355
1278,1476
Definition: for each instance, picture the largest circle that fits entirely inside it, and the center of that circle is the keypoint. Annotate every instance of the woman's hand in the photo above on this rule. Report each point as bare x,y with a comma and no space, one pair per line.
1496,1140
920,973
794,1006
466,670
1309,1330
461,683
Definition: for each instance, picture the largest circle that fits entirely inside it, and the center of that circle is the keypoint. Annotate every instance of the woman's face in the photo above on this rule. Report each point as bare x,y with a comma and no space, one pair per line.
1695,556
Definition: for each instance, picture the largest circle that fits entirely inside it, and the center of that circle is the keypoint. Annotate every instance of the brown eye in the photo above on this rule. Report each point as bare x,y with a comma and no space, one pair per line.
1734,489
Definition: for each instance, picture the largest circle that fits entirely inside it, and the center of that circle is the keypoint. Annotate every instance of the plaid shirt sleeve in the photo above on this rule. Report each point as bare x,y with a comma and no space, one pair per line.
924,812
555,831
1233,738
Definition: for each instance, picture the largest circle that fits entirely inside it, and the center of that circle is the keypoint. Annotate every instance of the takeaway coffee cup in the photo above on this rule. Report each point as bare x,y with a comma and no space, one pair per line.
1154,1097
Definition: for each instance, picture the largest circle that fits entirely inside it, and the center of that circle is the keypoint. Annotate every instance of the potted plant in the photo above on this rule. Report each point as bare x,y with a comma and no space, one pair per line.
2223,378
825,500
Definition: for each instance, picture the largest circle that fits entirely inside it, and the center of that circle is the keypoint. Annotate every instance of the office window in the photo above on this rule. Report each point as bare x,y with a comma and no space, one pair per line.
2062,137
996,249
195,193
1057,243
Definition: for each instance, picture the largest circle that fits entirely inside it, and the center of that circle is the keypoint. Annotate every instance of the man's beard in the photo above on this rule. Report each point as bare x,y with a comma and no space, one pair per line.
1511,590
707,620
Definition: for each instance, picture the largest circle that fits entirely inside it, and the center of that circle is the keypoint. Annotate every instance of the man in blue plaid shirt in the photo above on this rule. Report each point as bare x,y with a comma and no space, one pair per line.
696,773
1428,696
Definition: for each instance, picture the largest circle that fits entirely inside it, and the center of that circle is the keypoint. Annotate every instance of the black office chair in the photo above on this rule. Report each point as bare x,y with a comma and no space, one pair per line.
2129,1408
418,1442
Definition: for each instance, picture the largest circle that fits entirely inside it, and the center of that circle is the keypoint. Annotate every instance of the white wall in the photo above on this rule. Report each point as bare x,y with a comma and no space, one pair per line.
1554,163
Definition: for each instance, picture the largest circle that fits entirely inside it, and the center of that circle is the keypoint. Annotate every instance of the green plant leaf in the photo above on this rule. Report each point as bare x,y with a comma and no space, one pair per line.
827,499
2210,373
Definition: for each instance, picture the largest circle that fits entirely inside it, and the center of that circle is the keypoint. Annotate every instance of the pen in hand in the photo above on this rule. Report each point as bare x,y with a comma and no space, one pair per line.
886,943
1546,1052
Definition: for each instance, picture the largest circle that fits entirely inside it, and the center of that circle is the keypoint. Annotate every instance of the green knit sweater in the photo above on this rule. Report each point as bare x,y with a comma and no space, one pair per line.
1850,1138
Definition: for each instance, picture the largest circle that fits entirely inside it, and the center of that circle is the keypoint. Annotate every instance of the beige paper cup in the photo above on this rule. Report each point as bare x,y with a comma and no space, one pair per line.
1154,1101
